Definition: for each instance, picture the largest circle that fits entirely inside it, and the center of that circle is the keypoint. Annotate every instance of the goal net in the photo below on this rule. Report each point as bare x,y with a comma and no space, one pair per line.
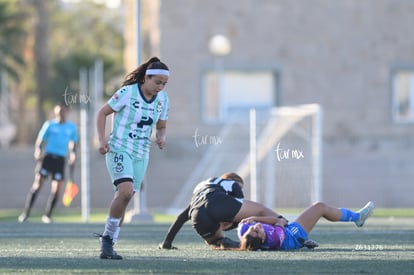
278,154
285,159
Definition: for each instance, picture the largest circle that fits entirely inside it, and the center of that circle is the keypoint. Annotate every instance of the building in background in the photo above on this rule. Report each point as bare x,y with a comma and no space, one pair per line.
354,58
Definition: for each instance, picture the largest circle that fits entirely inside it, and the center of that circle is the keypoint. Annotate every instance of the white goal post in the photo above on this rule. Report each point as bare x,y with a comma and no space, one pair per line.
279,156
266,148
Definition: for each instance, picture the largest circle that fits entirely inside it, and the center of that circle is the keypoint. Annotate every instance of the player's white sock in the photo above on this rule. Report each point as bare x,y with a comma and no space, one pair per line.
111,226
116,234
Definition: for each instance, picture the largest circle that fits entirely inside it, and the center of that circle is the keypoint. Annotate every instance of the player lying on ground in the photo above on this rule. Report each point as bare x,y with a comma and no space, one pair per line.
217,205
270,233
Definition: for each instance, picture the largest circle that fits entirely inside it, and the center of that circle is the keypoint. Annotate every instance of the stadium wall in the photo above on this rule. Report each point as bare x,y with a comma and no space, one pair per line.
339,54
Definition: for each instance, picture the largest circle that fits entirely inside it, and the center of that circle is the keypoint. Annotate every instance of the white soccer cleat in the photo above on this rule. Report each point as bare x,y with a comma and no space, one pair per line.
23,217
46,219
364,213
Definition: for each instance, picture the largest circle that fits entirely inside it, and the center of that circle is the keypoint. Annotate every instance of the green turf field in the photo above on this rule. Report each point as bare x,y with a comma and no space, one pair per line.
385,245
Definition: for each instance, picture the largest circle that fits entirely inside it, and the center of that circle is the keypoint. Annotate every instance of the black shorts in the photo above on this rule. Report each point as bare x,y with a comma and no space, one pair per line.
52,165
216,207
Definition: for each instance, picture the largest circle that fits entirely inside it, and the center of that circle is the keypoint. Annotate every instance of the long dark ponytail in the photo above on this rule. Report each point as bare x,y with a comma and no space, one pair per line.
138,75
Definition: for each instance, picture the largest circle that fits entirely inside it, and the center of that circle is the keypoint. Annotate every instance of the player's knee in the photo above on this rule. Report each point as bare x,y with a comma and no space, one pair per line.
319,205
36,186
125,193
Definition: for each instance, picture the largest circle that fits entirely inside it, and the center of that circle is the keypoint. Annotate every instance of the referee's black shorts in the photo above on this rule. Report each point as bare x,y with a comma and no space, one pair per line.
52,165
217,207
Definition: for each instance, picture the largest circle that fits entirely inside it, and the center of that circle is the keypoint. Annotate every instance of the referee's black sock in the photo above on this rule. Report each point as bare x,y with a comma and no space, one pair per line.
30,199
53,198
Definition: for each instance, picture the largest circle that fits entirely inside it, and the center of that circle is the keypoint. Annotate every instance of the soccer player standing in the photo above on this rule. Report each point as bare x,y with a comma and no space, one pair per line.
139,105
55,143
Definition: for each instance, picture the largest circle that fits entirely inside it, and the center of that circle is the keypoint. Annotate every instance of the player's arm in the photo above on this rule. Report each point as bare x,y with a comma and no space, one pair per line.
161,133
105,111
38,149
72,159
226,226
42,136
72,152
174,228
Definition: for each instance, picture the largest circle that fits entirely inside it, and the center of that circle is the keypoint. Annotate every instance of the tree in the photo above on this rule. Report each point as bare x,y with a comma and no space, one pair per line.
11,35
41,54
82,33
54,40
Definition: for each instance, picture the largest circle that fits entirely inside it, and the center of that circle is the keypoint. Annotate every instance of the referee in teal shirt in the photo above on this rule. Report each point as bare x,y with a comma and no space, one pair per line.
55,143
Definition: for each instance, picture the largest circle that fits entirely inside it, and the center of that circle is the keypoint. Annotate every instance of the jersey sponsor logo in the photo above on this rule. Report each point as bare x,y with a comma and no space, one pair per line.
159,107
119,167
145,121
148,109
136,132
116,96
136,104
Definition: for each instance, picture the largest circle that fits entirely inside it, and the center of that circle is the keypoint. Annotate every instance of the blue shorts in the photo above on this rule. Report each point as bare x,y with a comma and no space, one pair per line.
294,232
122,167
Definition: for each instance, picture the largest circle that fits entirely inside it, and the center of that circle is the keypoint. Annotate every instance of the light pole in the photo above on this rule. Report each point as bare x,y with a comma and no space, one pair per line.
220,46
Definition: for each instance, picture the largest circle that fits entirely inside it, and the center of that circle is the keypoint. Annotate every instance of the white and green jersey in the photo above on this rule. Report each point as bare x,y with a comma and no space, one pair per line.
134,119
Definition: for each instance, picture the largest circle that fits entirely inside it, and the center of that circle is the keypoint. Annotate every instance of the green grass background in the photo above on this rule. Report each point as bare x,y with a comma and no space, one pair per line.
385,245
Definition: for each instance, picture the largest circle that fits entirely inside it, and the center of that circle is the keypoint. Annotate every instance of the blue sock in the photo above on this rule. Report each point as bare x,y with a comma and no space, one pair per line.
348,215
